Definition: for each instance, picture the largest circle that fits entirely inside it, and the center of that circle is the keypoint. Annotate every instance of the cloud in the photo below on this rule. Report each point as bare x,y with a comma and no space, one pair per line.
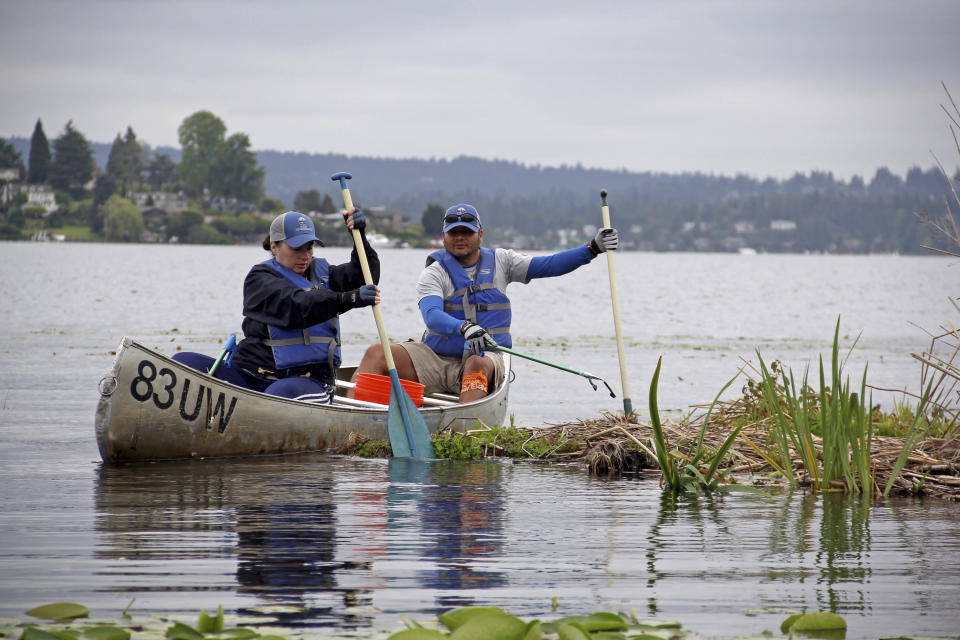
725,87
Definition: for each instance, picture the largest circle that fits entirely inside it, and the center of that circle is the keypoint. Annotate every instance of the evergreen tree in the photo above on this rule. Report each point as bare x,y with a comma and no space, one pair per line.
39,155
126,162
72,164
9,156
432,219
104,189
327,205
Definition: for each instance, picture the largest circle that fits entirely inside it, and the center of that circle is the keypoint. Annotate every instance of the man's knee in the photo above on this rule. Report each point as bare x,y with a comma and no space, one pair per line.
478,364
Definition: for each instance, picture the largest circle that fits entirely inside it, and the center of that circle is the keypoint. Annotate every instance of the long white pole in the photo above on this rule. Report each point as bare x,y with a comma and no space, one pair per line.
627,404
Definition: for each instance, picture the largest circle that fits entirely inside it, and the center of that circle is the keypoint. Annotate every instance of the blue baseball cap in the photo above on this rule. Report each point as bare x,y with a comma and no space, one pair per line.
461,215
294,228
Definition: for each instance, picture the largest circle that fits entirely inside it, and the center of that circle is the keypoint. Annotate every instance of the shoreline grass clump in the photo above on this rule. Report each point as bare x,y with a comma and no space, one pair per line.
782,430
842,418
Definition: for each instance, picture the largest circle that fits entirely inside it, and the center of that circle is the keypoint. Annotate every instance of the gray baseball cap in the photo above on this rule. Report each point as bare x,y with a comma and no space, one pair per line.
294,228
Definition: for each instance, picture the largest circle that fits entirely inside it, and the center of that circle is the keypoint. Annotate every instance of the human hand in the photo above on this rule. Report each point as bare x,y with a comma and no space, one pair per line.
355,220
605,240
365,296
475,335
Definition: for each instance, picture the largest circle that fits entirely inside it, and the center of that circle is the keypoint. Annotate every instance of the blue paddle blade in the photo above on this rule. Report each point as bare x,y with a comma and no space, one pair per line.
396,430
404,418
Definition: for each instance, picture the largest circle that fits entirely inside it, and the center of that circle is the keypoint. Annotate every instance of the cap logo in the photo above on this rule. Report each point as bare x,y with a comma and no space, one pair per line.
302,224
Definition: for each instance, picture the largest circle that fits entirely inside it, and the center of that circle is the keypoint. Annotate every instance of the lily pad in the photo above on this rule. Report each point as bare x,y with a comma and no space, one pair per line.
534,631
653,623
417,634
786,624
818,621
455,618
106,633
59,611
33,633
572,631
180,631
491,626
601,621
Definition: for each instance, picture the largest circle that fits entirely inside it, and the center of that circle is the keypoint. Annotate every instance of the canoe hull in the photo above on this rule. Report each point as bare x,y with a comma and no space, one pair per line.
154,408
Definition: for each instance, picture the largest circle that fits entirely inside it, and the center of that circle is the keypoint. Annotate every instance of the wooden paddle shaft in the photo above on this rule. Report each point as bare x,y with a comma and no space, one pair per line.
627,405
368,278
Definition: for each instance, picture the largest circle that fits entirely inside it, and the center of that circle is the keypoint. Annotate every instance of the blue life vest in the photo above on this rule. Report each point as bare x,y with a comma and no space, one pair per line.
478,301
312,345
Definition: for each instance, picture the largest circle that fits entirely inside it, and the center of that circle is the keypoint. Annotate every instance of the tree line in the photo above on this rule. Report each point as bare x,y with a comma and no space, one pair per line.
211,166
525,205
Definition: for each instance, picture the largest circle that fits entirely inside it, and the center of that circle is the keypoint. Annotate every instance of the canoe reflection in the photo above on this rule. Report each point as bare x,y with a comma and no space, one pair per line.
320,533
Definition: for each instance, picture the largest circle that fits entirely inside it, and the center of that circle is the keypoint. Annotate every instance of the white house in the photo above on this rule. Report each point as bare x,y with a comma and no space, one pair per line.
172,203
783,225
38,195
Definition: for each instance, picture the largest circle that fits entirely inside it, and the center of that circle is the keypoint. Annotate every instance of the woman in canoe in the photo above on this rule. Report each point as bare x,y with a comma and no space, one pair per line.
291,308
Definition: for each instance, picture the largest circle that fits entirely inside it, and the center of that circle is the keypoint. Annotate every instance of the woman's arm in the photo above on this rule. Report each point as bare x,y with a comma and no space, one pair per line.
270,298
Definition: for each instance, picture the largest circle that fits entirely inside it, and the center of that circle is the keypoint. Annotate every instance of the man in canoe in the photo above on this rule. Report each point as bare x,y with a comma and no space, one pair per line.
291,308
463,300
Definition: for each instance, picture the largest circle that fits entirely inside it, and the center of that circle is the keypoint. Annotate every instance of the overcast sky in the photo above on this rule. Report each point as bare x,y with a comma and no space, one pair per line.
763,87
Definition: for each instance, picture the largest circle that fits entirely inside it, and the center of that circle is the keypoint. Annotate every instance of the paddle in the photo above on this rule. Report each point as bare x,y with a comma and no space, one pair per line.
229,347
493,346
627,405
408,432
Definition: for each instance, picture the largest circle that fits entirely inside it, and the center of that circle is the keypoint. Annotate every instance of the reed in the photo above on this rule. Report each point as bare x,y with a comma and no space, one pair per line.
699,471
918,430
839,417
670,475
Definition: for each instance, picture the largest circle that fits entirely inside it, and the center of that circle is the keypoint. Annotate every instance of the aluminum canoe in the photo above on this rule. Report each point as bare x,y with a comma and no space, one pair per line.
154,408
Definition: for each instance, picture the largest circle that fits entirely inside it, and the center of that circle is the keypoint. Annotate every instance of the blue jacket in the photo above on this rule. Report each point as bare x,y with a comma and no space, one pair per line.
478,301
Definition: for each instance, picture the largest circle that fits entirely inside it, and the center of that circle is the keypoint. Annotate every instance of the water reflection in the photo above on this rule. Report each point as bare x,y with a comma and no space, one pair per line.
271,523
843,555
460,507
821,544
317,532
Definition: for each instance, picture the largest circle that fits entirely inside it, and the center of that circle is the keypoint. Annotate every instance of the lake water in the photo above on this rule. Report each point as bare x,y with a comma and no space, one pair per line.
358,542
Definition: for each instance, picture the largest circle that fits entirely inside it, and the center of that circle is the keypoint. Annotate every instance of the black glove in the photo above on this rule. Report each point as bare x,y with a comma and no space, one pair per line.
475,335
362,297
605,240
359,220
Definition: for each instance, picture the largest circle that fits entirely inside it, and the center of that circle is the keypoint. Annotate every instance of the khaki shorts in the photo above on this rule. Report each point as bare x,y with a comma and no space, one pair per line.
441,374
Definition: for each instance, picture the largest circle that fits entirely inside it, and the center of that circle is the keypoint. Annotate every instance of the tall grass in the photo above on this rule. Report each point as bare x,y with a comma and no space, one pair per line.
681,472
843,419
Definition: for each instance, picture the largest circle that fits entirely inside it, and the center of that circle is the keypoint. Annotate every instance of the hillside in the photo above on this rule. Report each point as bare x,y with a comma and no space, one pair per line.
657,211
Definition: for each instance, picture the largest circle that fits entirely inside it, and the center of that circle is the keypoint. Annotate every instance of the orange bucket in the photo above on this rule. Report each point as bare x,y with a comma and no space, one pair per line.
374,388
